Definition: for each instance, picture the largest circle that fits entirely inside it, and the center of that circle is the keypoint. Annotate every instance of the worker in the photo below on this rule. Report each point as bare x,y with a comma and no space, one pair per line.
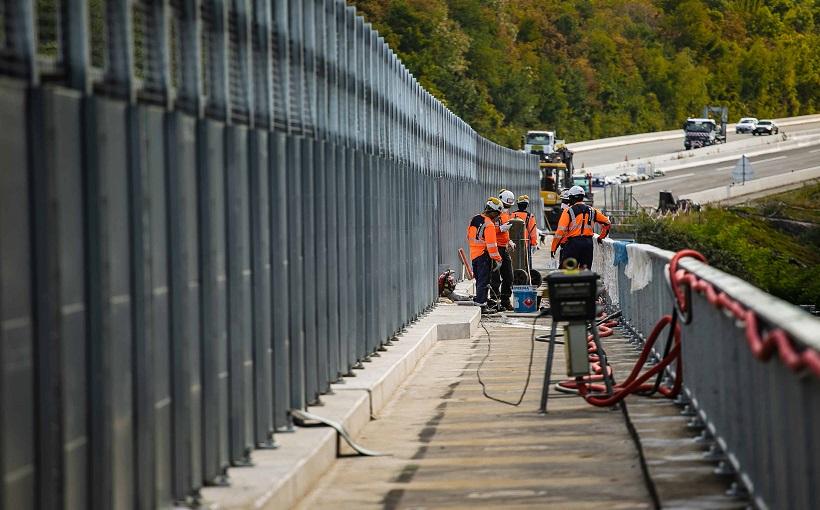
564,199
574,232
501,281
564,206
484,253
530,229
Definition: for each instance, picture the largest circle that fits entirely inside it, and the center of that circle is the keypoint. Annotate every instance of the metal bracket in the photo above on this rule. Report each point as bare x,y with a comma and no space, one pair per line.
303,417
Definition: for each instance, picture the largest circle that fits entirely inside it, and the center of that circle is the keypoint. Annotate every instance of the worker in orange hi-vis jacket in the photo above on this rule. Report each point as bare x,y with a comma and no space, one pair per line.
530,228
484,254
501,282
574,232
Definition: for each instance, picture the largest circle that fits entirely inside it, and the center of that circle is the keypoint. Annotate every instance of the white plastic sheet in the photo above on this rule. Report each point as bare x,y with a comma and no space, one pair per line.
639,267
603,263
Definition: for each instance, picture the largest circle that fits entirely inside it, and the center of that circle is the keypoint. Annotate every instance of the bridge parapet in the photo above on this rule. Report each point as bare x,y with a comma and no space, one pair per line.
751,366
211,210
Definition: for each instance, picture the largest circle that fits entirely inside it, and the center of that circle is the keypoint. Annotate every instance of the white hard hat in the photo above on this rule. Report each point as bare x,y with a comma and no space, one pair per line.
565,195
576,191
507,197
494,204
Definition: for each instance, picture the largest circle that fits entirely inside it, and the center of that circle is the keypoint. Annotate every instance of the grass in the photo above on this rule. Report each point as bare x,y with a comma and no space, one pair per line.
773,243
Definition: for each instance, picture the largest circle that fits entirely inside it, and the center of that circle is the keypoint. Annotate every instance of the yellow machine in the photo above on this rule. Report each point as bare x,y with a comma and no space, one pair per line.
554,178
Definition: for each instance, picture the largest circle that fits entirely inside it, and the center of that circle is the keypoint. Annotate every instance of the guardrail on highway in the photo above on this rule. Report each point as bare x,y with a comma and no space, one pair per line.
760,403
211,210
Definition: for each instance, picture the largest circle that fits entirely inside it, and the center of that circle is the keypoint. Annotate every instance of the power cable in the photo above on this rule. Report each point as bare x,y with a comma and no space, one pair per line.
647,476
529,368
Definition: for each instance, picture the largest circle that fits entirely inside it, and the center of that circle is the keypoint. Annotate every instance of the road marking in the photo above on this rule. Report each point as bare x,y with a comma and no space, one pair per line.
756,162
769,159
662,180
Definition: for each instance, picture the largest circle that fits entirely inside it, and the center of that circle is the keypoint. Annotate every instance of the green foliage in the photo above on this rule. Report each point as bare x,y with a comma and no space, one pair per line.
773,243
595,68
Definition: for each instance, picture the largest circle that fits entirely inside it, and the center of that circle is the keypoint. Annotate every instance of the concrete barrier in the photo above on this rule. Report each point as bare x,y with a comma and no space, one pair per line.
754,186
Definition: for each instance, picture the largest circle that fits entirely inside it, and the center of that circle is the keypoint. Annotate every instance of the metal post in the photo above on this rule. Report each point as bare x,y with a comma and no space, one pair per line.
280,272
296,330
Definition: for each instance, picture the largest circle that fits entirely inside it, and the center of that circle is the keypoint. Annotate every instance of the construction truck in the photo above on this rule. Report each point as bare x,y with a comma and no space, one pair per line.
557,172
540,142
705,130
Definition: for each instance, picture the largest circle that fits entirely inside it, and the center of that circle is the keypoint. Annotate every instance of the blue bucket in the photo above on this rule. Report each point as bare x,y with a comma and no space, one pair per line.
524,299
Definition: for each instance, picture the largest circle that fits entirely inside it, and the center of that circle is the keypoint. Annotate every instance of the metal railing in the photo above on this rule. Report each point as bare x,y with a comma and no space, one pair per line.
211,210
764,418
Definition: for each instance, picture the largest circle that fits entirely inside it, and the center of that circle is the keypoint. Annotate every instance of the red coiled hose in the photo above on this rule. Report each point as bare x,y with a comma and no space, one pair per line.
763,348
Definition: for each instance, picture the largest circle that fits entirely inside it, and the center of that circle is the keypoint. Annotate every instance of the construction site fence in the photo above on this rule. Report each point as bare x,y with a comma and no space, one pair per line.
760,418
211,210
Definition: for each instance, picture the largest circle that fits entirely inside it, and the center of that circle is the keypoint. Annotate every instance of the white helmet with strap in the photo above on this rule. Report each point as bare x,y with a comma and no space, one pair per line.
577,191
507,197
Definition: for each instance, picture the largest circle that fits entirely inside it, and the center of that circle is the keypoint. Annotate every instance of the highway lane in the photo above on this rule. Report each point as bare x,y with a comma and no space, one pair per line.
641,150
693,179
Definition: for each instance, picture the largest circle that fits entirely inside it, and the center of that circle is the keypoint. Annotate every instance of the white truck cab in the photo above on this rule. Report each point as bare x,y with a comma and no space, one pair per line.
540,142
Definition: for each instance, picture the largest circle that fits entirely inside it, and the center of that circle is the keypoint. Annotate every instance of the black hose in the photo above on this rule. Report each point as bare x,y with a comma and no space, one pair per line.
647,477
529,368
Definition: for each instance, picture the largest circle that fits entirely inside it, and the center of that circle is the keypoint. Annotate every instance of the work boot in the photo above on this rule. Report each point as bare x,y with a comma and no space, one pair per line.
485,308
506,305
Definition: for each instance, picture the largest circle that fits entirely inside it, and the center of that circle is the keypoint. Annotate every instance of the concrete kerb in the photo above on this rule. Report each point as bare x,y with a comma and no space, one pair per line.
280,477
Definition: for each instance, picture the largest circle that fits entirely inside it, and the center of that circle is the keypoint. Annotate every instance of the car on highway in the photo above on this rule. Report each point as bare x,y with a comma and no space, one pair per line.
611,180
632,177
745,125
766,127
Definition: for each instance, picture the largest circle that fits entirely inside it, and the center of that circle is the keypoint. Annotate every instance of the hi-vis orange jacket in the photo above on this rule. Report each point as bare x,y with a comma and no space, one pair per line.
576,221
530,230
481,235
502,237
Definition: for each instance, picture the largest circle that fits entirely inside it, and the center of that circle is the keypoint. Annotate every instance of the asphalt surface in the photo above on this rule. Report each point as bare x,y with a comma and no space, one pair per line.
641,150
690,180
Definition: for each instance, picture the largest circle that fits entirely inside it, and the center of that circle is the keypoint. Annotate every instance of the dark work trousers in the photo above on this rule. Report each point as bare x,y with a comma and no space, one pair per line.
501,281
482,267
578,248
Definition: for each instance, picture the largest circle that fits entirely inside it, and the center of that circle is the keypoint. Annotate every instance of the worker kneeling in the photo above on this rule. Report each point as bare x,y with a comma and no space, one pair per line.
574,232
484,252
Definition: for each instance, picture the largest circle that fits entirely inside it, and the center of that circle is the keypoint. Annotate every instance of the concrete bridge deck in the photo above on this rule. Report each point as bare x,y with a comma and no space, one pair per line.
453,448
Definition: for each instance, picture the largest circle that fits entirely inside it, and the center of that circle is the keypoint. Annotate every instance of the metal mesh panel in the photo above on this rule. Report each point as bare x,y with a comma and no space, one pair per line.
175,45
2,26
237,88
261,60
97,32
48,28
147,53
278,44
140,16
206,17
